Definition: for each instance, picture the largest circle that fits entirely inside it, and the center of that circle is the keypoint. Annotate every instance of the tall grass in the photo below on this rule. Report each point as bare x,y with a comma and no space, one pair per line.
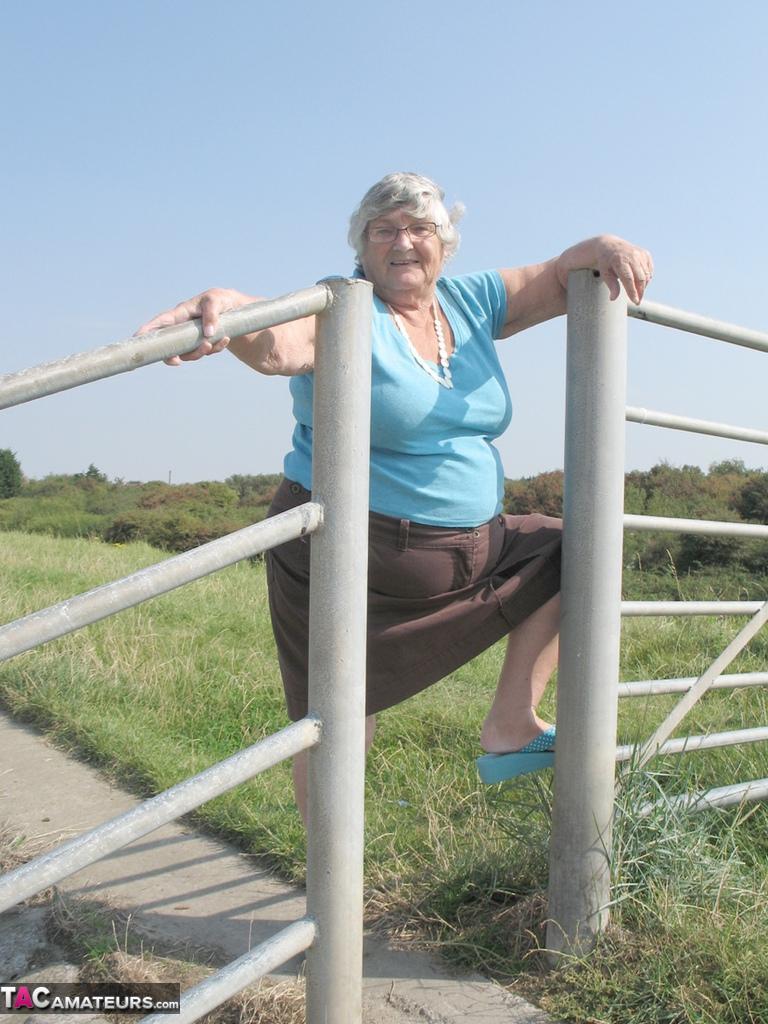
166,689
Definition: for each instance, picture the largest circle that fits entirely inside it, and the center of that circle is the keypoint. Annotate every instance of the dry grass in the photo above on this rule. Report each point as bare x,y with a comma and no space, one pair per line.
16,850
268,1002
100,941
12,853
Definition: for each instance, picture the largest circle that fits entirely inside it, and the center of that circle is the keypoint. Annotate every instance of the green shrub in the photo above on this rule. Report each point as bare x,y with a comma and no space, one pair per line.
205,495
10,474
68,524
542,493
752,501
255,490
176,530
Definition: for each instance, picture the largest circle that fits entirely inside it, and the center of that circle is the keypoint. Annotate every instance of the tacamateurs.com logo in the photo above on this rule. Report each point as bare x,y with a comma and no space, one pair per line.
90,998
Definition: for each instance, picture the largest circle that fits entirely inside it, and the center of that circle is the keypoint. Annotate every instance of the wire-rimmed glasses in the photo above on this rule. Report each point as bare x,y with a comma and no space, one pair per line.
385,233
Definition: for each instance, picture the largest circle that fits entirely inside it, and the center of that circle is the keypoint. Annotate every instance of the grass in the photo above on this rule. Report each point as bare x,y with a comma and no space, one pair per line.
164,690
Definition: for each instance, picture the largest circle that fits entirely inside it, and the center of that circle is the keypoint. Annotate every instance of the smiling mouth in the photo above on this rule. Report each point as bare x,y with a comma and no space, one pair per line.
404,263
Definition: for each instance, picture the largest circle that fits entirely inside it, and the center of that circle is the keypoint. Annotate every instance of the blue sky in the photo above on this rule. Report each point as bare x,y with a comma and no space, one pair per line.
152,149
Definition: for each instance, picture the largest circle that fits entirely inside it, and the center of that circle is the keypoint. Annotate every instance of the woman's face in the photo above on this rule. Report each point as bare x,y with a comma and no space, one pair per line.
404,265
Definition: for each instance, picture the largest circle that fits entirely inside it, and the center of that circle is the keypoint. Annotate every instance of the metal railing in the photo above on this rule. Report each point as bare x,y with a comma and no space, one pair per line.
588,688
334,729
333,732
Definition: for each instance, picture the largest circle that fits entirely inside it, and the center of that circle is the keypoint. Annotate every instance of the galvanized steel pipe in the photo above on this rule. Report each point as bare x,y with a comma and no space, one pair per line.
74,613
113,835
655,608
241,973
337,654
133,353
653,687
707,527
702,684
579,888
694,323
722,796
687,744
652,418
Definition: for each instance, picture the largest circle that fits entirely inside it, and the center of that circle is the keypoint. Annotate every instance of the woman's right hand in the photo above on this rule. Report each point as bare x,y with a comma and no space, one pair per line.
207,306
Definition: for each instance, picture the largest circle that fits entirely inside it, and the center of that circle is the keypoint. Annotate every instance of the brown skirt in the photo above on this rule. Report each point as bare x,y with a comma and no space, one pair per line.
437,596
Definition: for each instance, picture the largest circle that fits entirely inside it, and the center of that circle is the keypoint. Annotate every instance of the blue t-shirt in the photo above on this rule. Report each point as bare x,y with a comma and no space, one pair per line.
432,454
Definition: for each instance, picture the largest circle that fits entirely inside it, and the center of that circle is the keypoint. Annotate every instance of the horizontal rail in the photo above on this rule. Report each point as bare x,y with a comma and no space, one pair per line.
633,609
722,796
241,973
736,645
133,353
654,687
686,744
84,609
694,323
708,527
653,418
113,835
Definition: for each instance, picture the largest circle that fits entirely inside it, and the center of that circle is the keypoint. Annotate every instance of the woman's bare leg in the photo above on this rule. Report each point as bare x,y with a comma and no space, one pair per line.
300,768
530,660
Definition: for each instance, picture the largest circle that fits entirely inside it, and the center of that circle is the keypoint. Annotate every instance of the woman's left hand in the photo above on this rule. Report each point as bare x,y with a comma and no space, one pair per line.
619,263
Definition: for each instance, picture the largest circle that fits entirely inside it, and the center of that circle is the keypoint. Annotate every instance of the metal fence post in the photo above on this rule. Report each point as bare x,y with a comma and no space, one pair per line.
591,616
338,599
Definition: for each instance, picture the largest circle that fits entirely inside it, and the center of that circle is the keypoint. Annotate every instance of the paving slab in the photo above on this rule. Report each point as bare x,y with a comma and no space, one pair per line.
185,889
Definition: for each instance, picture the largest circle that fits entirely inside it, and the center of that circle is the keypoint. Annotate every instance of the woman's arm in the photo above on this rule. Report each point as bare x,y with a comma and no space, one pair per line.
538,292
288,349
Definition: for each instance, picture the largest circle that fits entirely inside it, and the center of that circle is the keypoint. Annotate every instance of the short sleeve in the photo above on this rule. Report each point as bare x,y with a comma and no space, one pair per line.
483,296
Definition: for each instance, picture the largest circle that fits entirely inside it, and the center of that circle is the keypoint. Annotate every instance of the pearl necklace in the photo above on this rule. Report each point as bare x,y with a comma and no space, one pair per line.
445,379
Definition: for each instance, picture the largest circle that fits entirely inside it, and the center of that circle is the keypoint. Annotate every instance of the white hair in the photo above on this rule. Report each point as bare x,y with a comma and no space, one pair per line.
413,193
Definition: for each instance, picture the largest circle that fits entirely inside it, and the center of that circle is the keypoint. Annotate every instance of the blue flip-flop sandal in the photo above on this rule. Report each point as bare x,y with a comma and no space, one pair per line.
538,754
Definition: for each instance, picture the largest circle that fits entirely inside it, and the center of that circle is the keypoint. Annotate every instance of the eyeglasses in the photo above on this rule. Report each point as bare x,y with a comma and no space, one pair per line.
416,232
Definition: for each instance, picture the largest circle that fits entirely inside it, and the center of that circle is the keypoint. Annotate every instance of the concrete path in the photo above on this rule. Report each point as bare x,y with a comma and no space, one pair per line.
184,888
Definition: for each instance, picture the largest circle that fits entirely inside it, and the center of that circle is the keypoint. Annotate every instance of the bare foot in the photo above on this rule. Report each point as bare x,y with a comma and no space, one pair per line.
505,738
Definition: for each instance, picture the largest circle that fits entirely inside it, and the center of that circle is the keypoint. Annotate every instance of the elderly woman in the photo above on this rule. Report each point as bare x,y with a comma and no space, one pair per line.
449,573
